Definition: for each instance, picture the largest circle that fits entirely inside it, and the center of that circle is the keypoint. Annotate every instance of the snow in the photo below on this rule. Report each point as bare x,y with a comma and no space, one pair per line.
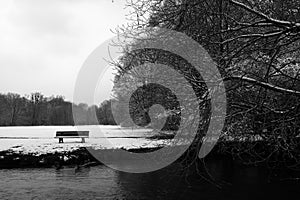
40,139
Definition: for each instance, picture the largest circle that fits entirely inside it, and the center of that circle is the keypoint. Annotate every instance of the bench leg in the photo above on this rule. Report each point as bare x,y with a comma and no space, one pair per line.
82,140
60,140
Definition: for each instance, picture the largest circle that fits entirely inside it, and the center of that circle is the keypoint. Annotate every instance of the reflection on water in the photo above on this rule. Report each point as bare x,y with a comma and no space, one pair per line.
216,180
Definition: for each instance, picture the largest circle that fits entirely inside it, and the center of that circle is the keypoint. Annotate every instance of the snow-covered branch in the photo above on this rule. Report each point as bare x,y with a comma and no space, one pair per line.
281,23
262,84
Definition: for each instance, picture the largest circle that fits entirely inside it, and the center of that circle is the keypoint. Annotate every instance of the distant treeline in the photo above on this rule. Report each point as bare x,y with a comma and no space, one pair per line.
36,109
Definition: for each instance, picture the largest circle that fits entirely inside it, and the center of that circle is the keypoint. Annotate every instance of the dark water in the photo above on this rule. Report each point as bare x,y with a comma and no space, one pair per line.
220,180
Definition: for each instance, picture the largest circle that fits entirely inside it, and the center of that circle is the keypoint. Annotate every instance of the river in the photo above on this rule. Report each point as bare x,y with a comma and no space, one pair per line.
220,180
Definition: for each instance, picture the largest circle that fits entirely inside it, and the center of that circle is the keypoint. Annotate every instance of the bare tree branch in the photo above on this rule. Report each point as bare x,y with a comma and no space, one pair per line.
281,23
262,84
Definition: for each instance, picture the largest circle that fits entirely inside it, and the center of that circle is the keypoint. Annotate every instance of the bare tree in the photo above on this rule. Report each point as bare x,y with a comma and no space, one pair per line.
15,104
255,45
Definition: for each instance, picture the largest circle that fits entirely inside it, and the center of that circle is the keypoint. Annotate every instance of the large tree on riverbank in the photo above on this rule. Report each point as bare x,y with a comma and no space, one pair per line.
255,45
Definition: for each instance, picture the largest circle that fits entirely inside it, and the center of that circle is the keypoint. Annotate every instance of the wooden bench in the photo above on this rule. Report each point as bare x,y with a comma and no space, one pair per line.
71,134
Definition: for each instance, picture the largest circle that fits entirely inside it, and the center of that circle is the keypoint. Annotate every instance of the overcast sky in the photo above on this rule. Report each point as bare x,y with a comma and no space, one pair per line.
43,43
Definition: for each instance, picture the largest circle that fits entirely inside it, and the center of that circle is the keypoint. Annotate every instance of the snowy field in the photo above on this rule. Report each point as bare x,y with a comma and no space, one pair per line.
40,139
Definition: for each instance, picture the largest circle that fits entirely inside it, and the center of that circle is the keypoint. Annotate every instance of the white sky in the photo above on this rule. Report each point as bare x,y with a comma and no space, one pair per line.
43,43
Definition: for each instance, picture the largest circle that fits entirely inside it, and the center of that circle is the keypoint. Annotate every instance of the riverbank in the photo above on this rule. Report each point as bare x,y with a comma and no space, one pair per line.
241,153
34,147
80,157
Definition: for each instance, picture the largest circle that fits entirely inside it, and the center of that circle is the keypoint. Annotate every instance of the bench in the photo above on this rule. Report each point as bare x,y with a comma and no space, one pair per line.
71,134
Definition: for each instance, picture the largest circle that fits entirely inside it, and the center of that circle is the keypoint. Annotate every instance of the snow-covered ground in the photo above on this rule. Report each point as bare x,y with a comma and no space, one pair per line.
40,139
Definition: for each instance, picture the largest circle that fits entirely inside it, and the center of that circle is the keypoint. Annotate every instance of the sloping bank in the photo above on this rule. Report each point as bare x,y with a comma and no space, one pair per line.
243,153
80,157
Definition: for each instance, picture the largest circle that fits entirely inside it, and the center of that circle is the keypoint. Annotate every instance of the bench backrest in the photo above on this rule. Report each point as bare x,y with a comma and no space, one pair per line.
72,133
